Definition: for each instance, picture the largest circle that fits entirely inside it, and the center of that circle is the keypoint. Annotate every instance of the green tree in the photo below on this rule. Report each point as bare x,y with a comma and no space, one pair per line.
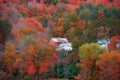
111,27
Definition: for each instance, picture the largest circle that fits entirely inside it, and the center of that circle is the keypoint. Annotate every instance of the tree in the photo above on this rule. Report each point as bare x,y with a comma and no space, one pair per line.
0,38
34,61
39,60
108,3
114,40
5,29
109,66
5,76
105,25
86,13
29,45
9,57
89,54
33,56
34,23
48,2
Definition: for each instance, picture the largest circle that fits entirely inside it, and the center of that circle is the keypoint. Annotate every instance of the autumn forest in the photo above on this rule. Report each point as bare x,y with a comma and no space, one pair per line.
59,39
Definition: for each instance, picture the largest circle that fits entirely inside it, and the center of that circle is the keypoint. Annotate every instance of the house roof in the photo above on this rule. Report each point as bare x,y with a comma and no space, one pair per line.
102,41
59,39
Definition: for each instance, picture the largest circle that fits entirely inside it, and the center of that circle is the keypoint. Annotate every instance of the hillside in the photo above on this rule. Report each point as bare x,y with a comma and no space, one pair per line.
91,29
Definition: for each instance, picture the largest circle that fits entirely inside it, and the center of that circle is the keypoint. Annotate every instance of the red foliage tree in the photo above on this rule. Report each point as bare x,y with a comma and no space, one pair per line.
80,24
114,40
31,69
34,23
42,2
1,1
70,7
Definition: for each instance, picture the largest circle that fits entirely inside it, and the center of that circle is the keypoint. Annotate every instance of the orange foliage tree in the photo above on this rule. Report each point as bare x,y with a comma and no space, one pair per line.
58,31
9,57
33,61
36,60
109,66
30,55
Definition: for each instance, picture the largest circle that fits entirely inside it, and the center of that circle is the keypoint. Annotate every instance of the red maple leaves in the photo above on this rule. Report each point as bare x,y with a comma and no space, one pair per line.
35,23
31,69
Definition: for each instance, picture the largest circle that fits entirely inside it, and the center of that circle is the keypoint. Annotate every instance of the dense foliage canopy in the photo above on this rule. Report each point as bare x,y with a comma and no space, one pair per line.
26,27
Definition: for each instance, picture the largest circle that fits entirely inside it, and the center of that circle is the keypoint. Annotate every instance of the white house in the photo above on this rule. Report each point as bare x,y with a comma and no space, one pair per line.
61,44
103,43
